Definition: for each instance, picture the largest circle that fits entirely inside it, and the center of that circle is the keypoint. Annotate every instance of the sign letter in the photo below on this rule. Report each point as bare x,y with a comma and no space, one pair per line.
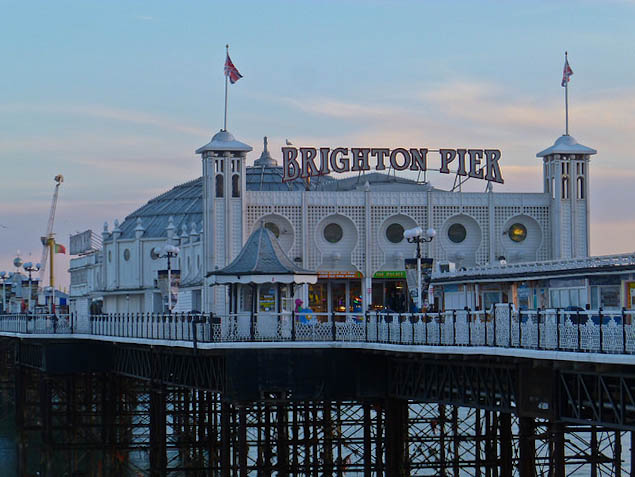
290,166
381,154
475,161
493,170
393,159
447,156
309,169
343,165
360,159
419,159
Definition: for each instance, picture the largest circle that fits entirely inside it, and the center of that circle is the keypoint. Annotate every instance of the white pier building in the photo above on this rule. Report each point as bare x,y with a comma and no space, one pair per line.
349,230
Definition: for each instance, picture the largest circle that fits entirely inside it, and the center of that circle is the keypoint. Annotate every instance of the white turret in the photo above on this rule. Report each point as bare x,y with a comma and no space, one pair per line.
224,209
566,179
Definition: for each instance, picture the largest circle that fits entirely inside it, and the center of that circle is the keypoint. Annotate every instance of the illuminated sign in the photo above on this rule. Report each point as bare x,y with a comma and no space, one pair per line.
343,274
307,162
395,274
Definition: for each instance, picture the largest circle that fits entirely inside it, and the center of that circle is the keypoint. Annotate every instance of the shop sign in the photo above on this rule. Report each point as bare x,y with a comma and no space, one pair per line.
304,162
397,274
343,274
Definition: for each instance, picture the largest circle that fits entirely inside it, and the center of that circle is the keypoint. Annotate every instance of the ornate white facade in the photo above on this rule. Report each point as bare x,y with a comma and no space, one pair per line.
349,230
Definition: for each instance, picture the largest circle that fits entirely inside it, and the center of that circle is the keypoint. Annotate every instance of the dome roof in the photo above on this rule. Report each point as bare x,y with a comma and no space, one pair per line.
184,203
224,141
566,145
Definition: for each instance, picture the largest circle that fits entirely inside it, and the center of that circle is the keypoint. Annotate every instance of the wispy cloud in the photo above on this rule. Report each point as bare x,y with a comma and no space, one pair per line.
109,113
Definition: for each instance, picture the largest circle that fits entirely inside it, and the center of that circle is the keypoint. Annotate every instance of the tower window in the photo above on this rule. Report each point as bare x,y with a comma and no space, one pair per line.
219,185
553,188
565,187
580,188
235,185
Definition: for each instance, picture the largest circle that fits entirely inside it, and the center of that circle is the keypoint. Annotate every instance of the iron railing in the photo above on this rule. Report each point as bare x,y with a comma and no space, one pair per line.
598,331
37,323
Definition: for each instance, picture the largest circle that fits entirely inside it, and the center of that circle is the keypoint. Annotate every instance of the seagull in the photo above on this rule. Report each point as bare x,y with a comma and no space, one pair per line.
289,143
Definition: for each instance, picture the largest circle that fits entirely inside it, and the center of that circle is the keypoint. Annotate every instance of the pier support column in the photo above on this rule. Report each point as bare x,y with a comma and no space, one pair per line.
397,438
557,446
506,445
158,454
527,447
20,397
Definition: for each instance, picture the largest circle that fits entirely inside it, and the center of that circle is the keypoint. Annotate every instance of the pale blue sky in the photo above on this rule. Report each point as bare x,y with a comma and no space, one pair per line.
117,95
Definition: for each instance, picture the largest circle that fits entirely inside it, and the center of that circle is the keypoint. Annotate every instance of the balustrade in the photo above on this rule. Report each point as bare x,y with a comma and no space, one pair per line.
600,331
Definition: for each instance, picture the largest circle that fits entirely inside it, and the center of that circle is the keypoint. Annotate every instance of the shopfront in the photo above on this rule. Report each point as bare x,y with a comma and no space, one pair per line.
390,292
339,292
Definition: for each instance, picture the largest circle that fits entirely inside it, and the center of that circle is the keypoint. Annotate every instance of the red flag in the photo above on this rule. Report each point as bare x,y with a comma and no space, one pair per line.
59,248
231,71
566,74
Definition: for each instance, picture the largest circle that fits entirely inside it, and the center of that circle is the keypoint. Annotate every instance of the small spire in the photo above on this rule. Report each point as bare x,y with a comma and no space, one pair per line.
265,159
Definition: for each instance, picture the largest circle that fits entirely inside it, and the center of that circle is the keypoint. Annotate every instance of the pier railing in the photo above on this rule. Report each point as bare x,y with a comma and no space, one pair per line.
37,323
599,331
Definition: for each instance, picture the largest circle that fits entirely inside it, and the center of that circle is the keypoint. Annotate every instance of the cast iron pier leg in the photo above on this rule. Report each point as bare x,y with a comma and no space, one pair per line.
506,444
396,438
527,447
158,454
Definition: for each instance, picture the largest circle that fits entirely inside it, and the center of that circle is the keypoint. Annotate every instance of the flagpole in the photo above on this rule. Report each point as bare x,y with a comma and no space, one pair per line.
226,56
566,99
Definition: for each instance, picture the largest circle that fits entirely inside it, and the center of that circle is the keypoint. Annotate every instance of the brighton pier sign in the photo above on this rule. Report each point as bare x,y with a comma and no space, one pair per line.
307,162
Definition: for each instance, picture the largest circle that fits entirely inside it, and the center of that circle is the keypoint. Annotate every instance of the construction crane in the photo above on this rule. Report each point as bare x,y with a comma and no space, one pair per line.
48,240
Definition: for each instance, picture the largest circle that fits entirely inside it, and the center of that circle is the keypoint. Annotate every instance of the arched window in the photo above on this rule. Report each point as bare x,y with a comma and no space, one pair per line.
553,188
235,185
565,187
219,185
580,194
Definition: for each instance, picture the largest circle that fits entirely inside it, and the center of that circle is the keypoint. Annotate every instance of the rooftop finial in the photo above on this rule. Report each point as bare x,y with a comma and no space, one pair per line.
265,140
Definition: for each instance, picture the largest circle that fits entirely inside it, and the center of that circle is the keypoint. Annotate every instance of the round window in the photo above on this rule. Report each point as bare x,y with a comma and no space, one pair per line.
126,255
273,228
457,233
333,233
517,232
394,233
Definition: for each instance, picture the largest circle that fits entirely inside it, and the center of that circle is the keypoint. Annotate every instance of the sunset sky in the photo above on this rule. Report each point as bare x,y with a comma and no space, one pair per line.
116,96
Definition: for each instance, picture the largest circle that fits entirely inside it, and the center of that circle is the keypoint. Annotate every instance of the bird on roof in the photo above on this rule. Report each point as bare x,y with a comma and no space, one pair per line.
288,143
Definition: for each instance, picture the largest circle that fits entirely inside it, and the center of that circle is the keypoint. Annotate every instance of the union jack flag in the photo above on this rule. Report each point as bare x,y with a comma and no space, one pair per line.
566,74
231,71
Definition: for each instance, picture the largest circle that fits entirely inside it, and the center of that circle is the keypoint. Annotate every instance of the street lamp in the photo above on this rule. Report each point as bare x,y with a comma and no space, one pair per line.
168,251
418,236
30,267
4,276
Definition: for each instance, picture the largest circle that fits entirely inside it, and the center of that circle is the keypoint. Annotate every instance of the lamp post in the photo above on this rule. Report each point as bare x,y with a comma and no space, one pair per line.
30,267
168,251
418,236
4,276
